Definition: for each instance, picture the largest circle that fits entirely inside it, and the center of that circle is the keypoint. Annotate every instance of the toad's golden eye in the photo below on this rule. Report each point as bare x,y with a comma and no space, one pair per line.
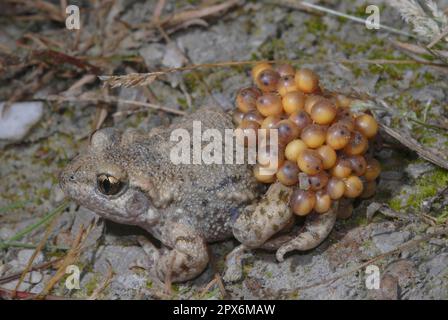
109,185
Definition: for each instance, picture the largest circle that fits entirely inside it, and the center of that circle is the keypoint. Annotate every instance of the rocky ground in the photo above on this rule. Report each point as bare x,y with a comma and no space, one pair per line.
116,39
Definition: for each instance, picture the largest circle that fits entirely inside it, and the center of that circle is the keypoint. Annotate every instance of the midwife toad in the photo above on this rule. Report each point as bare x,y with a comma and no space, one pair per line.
129,178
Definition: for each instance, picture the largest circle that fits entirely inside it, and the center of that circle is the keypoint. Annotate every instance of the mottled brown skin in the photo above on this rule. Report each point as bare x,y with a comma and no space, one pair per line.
184,206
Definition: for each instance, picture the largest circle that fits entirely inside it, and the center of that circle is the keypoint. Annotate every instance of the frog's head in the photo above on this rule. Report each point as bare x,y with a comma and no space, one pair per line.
102,180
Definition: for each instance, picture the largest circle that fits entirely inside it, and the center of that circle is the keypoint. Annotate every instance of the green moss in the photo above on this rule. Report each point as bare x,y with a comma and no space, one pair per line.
360,220
91,285
395,204
315,25
191,81
273,50
427,187
149,284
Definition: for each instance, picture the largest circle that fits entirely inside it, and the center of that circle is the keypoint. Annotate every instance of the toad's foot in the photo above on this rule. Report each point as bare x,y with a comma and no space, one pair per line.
187,259
234,264
317,228
234,260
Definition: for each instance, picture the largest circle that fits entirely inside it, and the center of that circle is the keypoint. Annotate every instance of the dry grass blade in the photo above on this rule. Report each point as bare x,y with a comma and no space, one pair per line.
414,145
110,99
104,285
310,6
185,16
35,253
414,48
10,294
70,258
16,275
131,80
426,18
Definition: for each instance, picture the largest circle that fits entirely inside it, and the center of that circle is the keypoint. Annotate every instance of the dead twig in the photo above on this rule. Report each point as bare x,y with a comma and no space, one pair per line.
57,58
36,252
301,5
70,258
110,99
414,145
185,16
10,294
143,79
16,275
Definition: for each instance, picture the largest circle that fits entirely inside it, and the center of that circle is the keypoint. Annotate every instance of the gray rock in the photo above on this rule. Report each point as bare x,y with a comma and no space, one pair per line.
437,266
23,256
152,54
389,241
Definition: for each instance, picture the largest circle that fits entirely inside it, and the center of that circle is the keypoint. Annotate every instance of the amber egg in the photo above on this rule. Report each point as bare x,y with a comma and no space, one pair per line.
373,169
248,132
246,99
367,125
342,168
307,81
260,67
302,202
310,162
328,156
335,188
270,105
287,131
293,101
343,101
288,173
358,164
286,84
318,181
323,202
310,101
267,80
270,155
255,116
293,149
353,187
338,136
237,117
285,70
369,189
262,176
270,122
323,112
358,144
301,119
313,135
349,123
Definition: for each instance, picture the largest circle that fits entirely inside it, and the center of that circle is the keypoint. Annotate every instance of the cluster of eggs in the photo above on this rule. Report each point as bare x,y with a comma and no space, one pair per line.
323,147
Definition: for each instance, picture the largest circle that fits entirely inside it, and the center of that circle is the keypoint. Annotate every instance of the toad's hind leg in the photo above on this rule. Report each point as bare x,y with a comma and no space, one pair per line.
257,224
317,228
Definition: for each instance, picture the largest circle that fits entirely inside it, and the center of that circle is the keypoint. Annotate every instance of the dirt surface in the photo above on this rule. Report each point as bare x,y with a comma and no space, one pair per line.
117,37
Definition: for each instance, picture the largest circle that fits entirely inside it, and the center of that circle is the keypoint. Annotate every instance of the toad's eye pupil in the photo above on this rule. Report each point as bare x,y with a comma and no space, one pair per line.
106,186
109,185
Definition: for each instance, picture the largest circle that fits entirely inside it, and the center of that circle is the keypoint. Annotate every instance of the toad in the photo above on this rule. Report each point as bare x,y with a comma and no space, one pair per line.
128,177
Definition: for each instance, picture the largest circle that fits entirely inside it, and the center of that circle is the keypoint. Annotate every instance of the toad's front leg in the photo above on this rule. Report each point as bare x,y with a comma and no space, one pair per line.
188,257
